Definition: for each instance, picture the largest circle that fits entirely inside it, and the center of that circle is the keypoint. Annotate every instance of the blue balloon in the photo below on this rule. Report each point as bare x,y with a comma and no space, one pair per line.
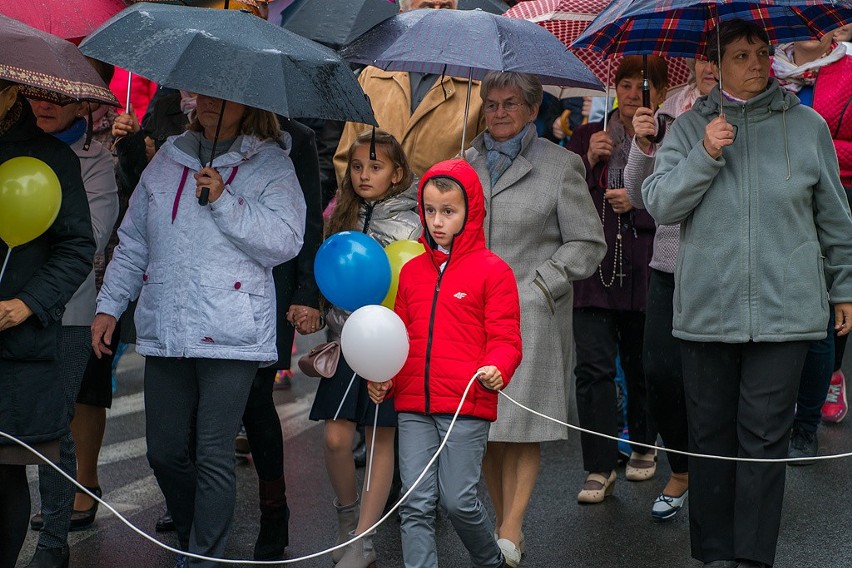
352,270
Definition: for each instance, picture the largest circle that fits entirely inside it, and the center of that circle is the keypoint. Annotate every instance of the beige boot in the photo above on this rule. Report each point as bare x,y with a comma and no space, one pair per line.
347,521
359,554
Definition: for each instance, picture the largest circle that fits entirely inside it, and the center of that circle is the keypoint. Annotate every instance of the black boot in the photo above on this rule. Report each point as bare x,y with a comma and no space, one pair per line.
274,517
50,558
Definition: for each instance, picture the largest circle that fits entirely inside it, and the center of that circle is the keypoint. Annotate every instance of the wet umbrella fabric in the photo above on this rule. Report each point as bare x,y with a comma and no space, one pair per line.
370,46
48,67
679,27
232,55
491,43
336,23
68,20
492,6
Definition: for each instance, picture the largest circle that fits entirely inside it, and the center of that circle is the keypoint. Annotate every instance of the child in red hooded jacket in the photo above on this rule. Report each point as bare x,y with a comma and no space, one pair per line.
459,303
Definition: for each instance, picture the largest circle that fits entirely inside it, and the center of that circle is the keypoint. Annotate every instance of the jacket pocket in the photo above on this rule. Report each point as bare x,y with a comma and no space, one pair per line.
29,341
152,302
542,289
232,307
805,294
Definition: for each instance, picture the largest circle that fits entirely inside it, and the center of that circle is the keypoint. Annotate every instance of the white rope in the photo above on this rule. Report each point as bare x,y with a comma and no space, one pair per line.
664,449
254,562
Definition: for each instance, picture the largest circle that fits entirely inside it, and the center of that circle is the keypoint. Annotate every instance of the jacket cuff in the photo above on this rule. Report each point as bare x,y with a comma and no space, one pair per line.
45,316
110,307
555,282
225,201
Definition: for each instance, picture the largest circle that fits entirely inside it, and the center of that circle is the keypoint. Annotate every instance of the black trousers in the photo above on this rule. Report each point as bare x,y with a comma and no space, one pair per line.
664,370
598,335
263,427
740,399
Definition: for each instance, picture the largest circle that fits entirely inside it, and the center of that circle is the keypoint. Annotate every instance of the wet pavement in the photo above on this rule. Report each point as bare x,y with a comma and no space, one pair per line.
559,532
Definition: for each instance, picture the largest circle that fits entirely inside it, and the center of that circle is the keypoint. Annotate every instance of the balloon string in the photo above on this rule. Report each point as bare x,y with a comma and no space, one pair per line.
342,400
5,262
372,447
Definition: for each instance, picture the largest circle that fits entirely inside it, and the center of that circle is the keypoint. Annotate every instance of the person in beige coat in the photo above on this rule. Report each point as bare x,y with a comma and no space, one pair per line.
541,220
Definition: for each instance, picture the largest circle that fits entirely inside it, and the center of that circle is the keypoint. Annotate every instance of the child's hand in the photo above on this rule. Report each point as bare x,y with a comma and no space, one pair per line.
377,391
490,377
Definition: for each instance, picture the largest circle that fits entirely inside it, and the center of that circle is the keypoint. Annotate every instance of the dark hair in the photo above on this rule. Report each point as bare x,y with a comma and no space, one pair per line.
444,184
345,216
729,32
631,66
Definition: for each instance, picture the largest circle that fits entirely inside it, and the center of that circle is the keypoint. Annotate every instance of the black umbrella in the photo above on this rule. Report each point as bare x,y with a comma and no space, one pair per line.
493,6
367,48
333,22
231,55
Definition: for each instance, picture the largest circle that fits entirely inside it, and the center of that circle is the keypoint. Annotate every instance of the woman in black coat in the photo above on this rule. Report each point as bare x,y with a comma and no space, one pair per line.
40,278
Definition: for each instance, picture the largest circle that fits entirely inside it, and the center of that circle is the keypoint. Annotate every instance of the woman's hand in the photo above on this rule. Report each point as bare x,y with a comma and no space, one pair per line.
718,134
843,318
102,328
490,377
305,319
600,148
210,178
13,312
645,128
618,200
378,391
125,125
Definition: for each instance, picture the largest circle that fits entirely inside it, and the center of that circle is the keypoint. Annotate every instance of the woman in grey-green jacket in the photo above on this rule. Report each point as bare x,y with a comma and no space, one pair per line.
765,228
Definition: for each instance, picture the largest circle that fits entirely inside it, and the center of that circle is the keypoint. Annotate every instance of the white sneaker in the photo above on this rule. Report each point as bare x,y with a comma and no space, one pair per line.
511,555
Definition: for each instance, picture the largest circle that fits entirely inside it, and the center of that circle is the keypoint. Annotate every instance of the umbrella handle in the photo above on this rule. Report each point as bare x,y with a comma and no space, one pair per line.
204,198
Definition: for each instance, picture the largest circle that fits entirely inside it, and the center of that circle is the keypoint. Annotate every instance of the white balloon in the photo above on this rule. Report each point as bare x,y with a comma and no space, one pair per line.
374,342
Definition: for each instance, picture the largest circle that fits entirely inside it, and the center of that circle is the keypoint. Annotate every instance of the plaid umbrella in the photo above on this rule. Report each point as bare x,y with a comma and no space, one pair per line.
567,19
679,27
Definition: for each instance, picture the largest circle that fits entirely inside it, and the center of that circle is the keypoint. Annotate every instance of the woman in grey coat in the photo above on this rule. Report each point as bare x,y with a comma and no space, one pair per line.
752,177
541,220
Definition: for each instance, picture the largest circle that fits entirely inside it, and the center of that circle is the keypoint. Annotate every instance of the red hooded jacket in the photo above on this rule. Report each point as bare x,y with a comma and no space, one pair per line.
458,320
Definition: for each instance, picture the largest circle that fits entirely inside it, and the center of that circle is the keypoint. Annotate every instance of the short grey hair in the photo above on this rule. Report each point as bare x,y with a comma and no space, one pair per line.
529,85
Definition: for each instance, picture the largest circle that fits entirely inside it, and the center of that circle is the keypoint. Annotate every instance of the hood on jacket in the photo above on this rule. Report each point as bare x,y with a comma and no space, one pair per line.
185,149
472,234
405,200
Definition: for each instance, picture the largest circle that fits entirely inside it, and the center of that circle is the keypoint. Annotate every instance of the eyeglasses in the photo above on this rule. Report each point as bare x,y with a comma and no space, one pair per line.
509,106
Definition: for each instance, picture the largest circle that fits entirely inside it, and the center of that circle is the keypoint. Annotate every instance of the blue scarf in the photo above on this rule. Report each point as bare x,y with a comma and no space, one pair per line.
73,132
500,155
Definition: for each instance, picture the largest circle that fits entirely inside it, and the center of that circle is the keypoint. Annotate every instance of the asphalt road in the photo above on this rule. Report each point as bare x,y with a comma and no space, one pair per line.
559,532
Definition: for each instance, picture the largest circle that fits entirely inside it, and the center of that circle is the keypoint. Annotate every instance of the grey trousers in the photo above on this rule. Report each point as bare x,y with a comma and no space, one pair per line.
200,493
452,480
57,493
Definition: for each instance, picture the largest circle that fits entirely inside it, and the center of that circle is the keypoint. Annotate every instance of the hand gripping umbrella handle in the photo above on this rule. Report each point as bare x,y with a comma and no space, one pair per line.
204,198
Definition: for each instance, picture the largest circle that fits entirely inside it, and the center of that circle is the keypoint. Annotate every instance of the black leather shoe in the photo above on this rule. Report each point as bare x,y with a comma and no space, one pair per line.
50,558
83,519
165,523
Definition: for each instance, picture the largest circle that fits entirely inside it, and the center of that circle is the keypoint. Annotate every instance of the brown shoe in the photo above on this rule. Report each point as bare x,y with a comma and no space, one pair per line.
596,488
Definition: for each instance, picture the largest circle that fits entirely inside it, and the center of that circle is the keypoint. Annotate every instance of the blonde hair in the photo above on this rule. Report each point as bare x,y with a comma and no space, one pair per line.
255,122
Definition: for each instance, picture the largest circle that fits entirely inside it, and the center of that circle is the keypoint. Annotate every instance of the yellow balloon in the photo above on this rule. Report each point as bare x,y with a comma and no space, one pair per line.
399,252
30,196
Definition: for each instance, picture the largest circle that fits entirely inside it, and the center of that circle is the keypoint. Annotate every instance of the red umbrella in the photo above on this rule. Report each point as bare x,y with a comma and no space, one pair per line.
567,19
72,20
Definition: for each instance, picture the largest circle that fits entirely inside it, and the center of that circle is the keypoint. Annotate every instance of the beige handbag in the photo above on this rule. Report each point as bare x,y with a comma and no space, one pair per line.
321,361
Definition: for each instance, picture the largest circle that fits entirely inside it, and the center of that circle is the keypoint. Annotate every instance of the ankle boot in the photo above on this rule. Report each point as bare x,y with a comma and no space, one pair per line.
347,521
274,517
50,558
359,554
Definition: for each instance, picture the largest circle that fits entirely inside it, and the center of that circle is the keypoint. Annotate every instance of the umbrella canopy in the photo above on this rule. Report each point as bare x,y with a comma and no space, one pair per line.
679,27
492,43
567,19
232,55
68,20
48,67
370,46
335,23
492,6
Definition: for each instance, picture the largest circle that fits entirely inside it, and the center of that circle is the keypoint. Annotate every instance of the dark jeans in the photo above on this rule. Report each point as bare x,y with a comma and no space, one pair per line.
663,369
598,335
816,376
200,492
263,427
740,399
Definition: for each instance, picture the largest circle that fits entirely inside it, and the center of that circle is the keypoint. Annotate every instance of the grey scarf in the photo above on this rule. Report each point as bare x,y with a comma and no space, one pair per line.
500,155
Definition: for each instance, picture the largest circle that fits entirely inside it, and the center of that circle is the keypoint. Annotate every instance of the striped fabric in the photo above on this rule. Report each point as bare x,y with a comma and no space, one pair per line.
680,27
567,19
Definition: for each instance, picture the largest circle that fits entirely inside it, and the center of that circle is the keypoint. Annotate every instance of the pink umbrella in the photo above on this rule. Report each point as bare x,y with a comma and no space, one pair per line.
68,20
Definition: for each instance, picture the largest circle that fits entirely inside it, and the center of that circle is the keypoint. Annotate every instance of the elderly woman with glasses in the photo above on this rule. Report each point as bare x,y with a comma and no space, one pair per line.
541,221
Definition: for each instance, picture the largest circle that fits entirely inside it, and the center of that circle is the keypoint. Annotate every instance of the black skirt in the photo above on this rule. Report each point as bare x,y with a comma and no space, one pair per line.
357,407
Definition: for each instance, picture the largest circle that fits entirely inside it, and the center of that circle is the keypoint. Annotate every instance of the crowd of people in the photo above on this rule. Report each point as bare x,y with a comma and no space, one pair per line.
695,240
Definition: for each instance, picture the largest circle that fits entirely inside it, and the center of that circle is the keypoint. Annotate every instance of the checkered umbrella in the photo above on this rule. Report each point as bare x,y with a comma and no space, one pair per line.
679,27
567,19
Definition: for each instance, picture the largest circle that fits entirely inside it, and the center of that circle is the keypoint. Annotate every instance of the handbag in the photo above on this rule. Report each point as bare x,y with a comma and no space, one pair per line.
321,361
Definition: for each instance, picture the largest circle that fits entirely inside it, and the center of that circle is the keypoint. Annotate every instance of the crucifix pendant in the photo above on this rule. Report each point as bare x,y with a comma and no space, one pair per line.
621,276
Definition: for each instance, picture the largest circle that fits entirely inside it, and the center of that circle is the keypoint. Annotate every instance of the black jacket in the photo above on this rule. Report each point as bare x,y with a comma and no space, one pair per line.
44,273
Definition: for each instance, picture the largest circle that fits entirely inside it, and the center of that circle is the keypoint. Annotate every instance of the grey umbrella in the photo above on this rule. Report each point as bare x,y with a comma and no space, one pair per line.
368,47
492,6
231,55
335,23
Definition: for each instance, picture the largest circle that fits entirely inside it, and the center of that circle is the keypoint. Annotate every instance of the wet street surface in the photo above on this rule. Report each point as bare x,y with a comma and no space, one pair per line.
559,532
